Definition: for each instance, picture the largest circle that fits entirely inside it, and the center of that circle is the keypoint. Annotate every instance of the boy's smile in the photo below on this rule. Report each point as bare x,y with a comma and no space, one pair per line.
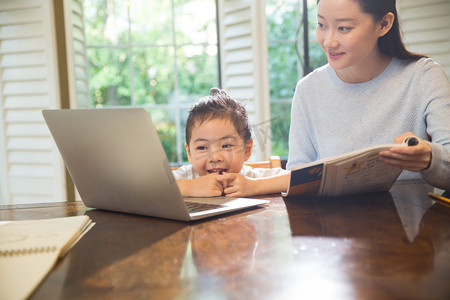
216,147
217,170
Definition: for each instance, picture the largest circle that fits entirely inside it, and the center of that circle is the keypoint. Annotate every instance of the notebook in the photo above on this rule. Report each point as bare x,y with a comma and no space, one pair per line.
29,249
117,163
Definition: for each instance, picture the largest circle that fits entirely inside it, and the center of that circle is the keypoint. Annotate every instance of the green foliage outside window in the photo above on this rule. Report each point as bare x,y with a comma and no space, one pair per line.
154,55
286,62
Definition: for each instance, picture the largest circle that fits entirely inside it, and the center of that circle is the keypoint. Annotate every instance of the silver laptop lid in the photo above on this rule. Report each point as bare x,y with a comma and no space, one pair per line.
116,160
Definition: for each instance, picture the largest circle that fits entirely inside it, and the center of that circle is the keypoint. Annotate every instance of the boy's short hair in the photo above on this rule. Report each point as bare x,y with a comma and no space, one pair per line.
218,105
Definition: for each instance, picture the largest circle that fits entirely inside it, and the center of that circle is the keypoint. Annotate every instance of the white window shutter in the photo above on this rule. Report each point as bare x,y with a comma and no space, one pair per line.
76,54
426,28
244,64
31,169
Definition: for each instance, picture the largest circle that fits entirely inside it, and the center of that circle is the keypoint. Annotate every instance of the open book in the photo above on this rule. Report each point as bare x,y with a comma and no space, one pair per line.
29,249
355,172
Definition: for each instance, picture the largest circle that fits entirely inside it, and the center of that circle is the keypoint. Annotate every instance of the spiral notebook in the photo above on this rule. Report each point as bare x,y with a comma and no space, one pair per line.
29,249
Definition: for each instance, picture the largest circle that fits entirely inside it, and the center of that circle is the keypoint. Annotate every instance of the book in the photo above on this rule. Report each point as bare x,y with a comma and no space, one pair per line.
30,248
356,172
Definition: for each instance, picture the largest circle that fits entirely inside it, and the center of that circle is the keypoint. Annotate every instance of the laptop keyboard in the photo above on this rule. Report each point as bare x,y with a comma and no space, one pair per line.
197,207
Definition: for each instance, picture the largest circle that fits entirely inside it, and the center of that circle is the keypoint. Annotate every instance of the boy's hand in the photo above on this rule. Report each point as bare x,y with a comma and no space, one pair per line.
413,158
237,185
204,186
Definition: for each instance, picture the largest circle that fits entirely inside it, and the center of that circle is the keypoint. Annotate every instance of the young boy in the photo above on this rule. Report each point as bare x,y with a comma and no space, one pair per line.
218,142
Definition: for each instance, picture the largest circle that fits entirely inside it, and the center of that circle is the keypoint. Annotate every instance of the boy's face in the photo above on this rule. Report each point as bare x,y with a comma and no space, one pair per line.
216,146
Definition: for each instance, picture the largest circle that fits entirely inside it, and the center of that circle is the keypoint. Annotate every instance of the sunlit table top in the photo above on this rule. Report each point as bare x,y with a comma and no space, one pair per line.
393,245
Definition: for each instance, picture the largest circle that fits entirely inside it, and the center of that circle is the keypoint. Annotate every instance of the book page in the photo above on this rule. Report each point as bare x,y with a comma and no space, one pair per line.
29,249
33,234
21,274
361,173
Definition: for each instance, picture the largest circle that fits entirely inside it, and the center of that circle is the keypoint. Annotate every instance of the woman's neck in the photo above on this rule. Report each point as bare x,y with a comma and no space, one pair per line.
365,72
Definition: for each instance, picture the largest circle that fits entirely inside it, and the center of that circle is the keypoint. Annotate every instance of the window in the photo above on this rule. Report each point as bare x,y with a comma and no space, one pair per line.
163,55
288,62
160,55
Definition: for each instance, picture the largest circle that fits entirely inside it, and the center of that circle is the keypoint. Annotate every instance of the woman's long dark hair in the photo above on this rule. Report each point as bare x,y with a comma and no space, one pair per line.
391,43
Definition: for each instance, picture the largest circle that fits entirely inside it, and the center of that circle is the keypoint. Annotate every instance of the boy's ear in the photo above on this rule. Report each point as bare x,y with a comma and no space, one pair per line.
248,149
188,151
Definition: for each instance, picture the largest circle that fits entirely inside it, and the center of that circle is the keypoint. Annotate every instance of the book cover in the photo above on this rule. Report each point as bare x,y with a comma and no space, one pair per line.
359,171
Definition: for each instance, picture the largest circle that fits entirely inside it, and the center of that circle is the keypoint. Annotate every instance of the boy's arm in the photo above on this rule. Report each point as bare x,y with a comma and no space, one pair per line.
204,186
238,185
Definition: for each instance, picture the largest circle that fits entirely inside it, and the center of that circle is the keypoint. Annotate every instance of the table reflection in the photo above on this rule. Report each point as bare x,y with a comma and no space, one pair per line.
224,248
371,246
121,256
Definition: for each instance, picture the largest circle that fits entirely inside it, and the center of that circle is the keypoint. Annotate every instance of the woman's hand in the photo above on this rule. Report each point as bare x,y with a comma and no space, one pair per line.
413,158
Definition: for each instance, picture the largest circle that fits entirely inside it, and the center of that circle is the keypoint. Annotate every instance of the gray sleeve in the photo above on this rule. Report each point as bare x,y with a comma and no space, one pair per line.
438,174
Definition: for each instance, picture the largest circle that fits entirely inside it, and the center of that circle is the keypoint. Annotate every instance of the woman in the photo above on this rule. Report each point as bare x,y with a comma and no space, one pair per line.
372,91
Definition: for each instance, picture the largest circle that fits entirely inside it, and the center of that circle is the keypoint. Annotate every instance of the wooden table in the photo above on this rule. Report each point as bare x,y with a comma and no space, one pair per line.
392,245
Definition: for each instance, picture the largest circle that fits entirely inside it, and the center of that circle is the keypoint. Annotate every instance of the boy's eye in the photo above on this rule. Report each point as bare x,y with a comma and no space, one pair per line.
320,25
227,146
200,148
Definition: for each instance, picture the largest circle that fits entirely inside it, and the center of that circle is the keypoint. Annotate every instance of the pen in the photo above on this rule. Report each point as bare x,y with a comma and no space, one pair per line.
437,197
411,141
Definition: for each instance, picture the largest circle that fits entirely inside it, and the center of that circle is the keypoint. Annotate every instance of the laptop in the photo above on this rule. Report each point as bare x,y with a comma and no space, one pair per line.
117,162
